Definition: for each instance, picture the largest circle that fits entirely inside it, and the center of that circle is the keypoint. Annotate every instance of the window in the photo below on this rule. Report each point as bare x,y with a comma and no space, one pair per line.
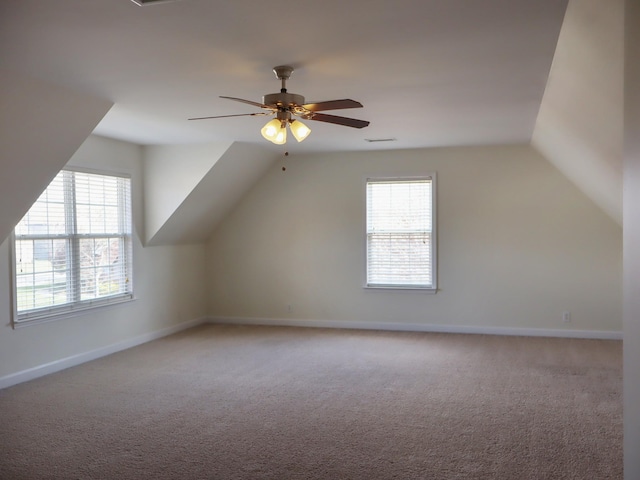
401,233
72,250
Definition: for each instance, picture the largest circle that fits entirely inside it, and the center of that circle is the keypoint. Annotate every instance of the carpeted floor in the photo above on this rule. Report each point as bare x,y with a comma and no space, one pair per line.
230,402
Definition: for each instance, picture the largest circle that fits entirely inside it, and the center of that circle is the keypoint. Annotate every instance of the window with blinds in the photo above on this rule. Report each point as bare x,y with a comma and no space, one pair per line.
401,233
72,250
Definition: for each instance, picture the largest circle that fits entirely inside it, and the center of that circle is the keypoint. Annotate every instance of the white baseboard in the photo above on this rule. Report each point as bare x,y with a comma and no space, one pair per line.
419,327
72,361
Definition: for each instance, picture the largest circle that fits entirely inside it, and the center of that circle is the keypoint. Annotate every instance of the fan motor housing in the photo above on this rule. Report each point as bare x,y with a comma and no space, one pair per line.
283,99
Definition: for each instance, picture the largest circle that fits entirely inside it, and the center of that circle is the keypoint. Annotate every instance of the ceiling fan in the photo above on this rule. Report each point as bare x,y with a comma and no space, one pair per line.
284,105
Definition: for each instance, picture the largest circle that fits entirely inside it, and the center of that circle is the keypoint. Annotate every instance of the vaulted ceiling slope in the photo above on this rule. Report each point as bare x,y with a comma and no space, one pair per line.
185,200
41,126
580,124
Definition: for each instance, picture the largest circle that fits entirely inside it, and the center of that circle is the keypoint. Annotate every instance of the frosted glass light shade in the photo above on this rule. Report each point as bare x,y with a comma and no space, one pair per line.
281,137
299,130
274,132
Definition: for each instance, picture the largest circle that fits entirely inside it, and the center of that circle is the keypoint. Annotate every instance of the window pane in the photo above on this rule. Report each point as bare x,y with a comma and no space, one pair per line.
399,206
83,219
56,220
111,220
100,204
42,279
81,189
399,233
57,265
60,258
102,267
97,219
47,215
396,259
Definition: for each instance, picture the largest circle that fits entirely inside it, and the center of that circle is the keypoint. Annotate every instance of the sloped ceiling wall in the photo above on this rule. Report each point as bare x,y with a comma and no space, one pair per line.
41,126
579,127
189,188
170,175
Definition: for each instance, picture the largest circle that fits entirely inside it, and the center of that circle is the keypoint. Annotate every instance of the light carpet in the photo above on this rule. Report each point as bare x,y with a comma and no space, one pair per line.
248,402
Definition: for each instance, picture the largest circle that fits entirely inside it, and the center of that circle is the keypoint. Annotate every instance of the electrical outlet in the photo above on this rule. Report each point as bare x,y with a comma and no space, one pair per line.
566,317
289,308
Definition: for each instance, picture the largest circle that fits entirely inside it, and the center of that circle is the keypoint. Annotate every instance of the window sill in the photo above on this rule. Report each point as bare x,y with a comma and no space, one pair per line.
428,290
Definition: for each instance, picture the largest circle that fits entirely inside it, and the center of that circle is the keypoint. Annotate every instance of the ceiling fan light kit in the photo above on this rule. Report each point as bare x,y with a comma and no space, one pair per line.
275,131
285,104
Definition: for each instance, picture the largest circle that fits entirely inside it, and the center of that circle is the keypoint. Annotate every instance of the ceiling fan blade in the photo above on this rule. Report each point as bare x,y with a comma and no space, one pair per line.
332,105
236,115
348,122
255,104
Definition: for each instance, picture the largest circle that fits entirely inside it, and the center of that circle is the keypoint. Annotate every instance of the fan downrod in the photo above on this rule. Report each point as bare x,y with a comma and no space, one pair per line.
283,72
283,100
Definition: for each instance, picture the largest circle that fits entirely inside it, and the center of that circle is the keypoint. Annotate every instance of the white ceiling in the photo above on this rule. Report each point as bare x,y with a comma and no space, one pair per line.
429,72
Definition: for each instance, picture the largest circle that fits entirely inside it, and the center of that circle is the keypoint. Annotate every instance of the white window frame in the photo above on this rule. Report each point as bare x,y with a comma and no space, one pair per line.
56,312
433,288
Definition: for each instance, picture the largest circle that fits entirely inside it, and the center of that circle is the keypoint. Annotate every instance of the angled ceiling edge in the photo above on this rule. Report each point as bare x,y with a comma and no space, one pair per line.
190,214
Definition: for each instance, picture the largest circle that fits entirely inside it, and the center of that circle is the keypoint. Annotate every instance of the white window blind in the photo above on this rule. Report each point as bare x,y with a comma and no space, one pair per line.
400,233
73,247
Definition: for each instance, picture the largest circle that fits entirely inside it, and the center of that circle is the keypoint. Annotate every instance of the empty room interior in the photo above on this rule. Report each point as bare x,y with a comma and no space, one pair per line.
439,277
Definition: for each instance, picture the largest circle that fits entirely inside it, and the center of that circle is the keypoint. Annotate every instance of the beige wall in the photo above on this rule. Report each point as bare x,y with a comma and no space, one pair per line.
168,285
518,245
